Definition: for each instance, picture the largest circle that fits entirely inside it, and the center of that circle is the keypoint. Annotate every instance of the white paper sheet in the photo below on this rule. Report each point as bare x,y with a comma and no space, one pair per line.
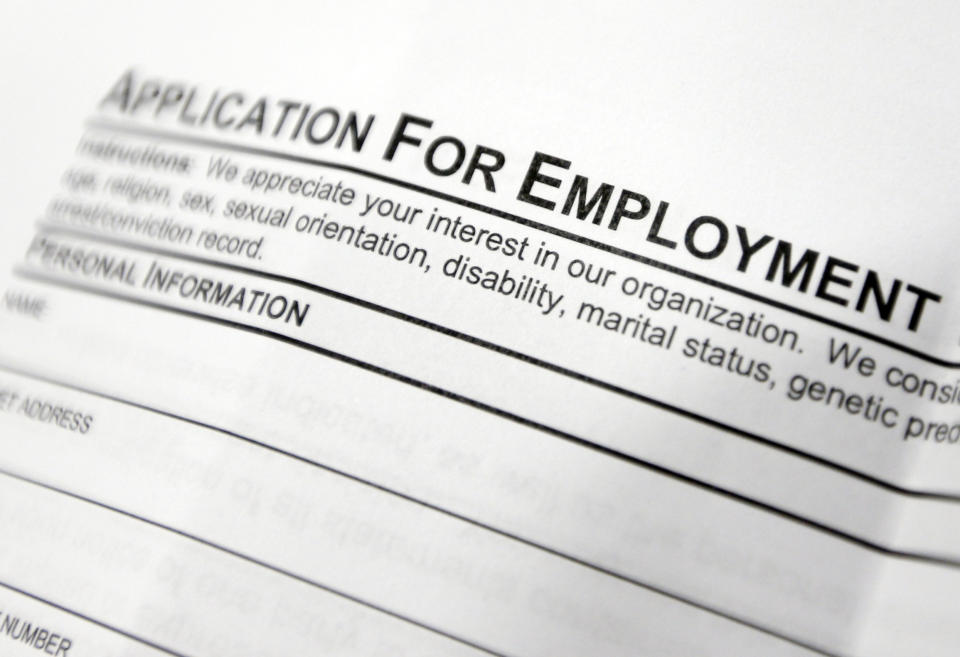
518,329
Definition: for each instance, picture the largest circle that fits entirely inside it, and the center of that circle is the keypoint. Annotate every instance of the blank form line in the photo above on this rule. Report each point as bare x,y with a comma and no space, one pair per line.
90,619
254,560
428,505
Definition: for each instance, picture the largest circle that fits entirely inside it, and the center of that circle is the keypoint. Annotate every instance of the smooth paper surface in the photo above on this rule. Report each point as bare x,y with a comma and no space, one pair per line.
425,329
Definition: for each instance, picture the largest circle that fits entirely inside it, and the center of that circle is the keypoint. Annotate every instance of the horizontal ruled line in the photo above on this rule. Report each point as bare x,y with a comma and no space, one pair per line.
94,621
253,560
422,503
